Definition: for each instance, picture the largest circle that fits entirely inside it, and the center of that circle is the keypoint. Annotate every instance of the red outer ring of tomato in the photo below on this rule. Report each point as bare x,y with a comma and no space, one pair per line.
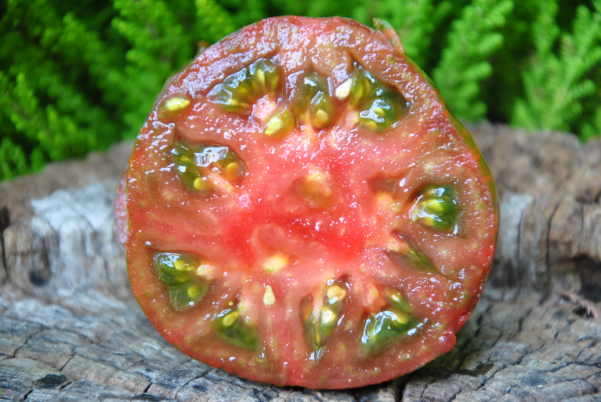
149,221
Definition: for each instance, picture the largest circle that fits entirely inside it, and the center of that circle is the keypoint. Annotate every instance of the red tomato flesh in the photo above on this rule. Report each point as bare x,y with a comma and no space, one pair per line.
301,209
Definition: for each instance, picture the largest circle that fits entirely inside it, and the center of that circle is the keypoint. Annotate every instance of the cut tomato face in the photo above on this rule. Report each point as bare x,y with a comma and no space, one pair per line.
301,209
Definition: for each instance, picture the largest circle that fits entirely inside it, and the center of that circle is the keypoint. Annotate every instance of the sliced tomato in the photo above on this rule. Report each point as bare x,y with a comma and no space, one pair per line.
301,209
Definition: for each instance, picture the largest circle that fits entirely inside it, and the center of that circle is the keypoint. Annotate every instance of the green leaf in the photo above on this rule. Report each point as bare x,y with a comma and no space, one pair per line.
556,82
465,63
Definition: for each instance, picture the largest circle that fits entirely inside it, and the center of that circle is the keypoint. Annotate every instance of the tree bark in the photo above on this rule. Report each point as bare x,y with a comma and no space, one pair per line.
71,330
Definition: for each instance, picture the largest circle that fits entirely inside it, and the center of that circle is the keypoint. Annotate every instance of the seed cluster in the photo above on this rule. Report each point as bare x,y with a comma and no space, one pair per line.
390,323
321,320
408,254
239,91
377,106
436,207
184,277
232,329
206,167
381,105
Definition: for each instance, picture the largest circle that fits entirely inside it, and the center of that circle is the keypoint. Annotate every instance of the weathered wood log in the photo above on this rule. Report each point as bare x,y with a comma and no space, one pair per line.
550,190
71,330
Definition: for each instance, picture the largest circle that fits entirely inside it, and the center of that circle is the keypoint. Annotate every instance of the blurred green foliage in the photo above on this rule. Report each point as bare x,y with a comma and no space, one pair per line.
78,76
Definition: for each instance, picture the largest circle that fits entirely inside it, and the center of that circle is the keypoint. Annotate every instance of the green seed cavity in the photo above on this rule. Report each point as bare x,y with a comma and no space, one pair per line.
436,207
313,103
380,105
321,325
397,301
384,327
231,328
360,88
265,77
240,90
191,165
181,275
185,165
408,254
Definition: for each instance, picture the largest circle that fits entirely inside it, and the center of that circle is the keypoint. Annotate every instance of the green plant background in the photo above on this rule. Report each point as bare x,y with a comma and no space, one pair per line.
79,76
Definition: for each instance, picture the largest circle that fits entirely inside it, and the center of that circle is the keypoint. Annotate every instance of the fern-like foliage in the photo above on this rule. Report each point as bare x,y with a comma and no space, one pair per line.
465,60
13,161
414,21
213,22
159,45
34,54
592,128
557,83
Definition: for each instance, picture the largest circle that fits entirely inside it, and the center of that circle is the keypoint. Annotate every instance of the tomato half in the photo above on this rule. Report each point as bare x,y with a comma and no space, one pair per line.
301,209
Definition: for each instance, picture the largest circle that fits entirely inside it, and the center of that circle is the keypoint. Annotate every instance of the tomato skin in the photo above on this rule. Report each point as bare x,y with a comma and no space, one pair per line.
305,209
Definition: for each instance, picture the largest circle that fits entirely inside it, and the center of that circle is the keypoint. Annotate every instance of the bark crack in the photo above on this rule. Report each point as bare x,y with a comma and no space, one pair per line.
4,222
68,361
519,262
188,382
27,395
14,355
549,277
65,385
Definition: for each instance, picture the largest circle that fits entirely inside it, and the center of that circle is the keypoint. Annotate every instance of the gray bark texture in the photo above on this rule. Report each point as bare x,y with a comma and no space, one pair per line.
70,329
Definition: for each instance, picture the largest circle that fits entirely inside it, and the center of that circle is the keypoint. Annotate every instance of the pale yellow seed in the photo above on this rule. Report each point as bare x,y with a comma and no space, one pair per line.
176,104
202,184
193,291
344,89
182,265
203,269
434,205
230,319
401,318
232,170
336,292
242,91
268,297
428,221
384,199
260,76
371,125
396,296
379,111
276,263
274,126
394,248
321,118
327,316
